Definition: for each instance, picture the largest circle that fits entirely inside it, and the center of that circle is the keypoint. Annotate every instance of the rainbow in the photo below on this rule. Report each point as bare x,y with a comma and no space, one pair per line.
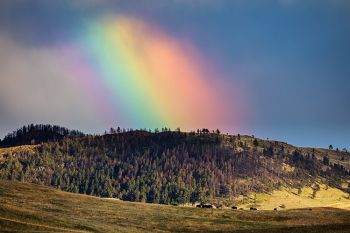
133,72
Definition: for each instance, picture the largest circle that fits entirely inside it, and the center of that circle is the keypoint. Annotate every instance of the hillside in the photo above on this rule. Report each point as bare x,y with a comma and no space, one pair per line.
289,198
178,168
36,134
35,208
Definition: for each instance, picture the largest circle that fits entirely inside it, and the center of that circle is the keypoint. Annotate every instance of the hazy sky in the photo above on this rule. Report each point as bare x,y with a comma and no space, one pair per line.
284,65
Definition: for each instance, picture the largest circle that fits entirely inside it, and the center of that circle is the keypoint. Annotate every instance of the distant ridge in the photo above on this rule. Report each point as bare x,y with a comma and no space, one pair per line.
36,134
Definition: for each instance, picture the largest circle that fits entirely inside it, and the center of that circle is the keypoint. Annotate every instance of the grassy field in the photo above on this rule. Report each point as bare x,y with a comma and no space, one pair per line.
291,199
33,208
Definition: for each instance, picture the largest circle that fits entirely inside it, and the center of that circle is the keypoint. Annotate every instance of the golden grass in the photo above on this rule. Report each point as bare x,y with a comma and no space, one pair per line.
325,197
34,208
14,150
29,148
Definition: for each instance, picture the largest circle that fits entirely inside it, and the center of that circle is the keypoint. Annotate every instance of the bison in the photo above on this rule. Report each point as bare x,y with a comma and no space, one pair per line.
207,206
204,206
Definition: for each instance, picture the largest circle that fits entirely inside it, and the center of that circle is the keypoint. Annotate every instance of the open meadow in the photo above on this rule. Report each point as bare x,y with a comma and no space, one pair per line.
34,208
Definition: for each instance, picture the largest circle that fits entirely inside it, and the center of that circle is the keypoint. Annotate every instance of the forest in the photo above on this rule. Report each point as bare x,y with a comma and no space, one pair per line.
167,167
36,134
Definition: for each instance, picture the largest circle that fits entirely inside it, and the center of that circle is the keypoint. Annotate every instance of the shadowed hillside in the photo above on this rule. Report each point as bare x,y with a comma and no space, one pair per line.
177,168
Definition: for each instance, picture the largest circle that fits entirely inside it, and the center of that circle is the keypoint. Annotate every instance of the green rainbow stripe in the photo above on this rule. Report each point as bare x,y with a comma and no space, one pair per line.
144,77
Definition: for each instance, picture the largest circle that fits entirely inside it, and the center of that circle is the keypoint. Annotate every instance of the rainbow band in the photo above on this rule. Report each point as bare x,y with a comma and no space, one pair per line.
137,74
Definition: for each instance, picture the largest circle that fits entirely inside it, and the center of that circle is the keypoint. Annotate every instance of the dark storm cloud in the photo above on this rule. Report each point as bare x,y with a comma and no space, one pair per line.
39,22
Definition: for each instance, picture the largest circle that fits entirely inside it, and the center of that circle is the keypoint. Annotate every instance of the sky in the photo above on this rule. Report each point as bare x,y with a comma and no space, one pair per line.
277,69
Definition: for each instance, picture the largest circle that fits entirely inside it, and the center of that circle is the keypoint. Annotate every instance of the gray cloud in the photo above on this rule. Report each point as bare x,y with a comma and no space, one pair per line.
38,22
35,89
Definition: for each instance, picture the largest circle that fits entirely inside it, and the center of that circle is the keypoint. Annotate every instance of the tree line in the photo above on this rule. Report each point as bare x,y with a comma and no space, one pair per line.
36,134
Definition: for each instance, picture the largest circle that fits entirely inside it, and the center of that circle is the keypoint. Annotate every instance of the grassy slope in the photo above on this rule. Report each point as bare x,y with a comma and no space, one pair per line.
334,156
16,149
325,197
33,208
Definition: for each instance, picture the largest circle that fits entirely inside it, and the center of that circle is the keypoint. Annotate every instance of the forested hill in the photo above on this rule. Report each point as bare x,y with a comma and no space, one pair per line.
36,134
173,167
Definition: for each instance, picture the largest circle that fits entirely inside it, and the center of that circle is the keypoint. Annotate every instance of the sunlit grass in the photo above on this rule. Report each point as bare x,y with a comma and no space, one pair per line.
28,207
291,199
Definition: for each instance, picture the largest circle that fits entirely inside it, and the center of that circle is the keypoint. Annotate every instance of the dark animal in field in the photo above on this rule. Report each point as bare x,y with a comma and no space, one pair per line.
275,209
234,207
252,208
310,209
204,206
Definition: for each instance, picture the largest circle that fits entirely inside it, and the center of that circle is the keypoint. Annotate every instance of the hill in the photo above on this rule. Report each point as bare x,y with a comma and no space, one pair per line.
35,208
36,134
178,168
